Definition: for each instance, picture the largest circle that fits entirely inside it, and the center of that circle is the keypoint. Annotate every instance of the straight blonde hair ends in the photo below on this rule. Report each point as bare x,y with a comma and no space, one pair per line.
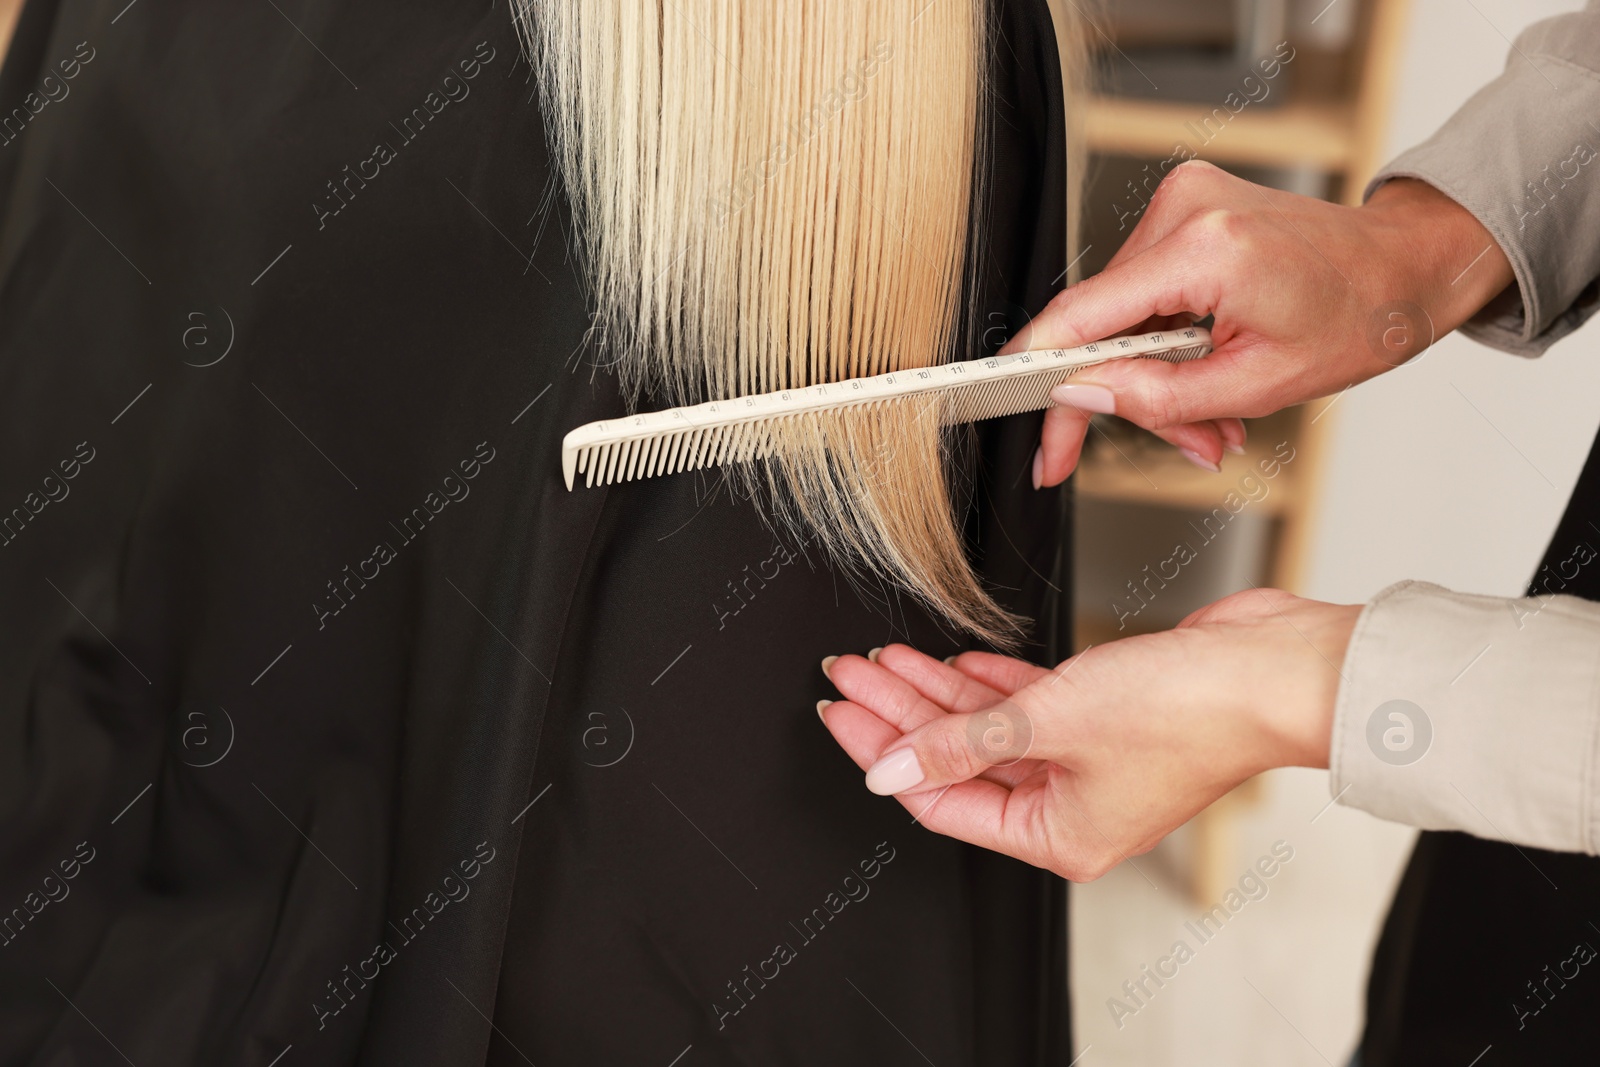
774,193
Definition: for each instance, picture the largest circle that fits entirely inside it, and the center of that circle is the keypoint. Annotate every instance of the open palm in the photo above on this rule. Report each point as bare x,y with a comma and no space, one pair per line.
1075,769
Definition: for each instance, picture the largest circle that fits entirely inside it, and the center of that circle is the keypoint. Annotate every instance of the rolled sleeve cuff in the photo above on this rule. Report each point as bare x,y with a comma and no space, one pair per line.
1523,156
1471,713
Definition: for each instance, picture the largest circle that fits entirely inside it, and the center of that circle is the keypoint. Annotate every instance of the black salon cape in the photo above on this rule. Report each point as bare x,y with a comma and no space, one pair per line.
335,729
1472,957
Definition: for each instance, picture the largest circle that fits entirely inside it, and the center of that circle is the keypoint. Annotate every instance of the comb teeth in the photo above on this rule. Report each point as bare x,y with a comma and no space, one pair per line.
741,430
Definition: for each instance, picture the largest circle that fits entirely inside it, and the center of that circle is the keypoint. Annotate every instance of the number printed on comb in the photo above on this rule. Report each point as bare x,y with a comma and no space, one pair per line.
743,428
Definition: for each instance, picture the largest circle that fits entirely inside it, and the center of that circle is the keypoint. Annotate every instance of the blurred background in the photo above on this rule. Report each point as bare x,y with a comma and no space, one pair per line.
1453,469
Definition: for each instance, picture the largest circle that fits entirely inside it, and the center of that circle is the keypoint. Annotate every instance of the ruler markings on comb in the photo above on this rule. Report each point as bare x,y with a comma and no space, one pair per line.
742,429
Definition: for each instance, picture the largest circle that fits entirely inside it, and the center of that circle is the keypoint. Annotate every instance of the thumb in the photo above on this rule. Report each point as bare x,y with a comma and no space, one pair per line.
1159,395
953,748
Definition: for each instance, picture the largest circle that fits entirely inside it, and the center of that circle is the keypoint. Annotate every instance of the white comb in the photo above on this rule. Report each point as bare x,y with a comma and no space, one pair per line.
739,430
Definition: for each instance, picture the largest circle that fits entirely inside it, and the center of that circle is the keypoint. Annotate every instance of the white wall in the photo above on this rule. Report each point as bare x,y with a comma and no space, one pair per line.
1417,483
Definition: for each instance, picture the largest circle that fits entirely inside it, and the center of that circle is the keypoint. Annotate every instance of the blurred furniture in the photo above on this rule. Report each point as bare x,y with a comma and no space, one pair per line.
1325,135
9,10
1200,48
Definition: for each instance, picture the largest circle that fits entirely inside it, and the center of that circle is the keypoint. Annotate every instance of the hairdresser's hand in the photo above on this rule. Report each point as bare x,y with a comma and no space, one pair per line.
1309,297
1078,768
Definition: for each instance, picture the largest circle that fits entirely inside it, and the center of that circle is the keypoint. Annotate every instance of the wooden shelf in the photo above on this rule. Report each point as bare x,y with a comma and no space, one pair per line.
1311,134
1332,120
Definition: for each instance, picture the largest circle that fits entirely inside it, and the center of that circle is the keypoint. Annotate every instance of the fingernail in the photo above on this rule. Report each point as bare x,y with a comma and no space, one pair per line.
895,773
820,705
1200,461
1233,435
950,661
873,655
1095,398
1038,467
827,666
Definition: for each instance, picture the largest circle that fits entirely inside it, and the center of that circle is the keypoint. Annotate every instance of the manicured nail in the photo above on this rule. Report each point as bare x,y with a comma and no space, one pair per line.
895,773
1084,397
1038,467
873,655
1233,435
1200,461
820,705
827,666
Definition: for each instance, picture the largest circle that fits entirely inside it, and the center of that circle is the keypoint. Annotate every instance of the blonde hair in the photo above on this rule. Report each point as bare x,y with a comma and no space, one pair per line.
775,193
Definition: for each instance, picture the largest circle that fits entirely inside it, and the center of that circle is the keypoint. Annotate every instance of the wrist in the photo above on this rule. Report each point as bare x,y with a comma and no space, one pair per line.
1296,714
1433,253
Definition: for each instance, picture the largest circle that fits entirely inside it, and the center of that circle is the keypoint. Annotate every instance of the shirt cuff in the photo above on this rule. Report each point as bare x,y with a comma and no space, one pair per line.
1523,156
1473,713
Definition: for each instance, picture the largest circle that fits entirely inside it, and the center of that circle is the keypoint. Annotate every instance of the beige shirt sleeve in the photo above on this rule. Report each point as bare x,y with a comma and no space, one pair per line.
1482,714
1523,155
1474,713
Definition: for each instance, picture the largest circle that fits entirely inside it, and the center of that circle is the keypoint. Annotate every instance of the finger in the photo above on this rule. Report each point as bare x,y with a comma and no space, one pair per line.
884,693
903,708
1066,427
1201,443
954,748
1025,823
987,815
949,688
1164,323
1166,279
859,732
1003,674
1154,393
1068,424
1061,443
1190,186
937,681
1159,395
979,812
1153,228
1234,435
